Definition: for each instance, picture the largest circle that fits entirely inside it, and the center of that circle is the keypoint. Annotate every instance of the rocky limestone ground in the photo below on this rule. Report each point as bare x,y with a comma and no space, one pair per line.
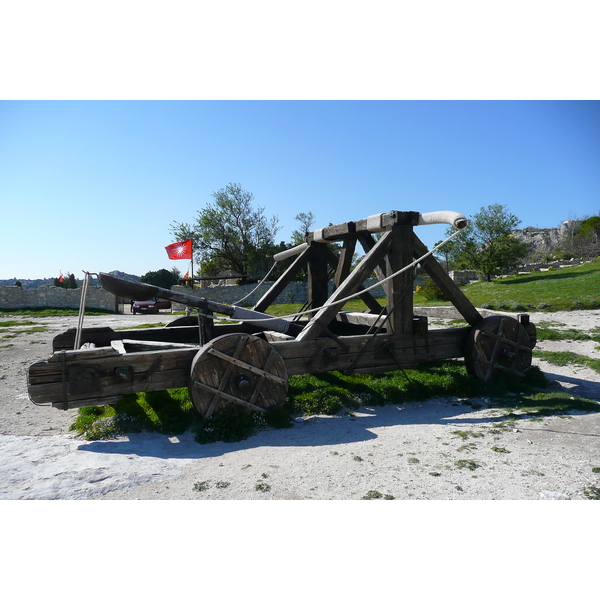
443,449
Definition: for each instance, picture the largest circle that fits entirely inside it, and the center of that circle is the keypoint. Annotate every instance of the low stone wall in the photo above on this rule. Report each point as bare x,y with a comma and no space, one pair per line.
49,296
463,277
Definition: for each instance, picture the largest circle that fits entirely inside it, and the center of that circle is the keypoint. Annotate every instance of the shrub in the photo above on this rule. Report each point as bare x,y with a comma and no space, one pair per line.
431,290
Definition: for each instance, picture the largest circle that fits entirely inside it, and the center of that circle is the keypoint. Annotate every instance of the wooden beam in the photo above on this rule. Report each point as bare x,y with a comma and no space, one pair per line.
350,285
450,289
317,274
345,262
385,353
271,294
367,241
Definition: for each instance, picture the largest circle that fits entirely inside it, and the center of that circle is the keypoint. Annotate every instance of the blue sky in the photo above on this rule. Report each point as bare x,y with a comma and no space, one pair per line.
94,186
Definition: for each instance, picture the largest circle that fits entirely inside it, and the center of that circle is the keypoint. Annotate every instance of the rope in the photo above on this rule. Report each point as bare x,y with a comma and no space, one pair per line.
347,298
259,284
86,280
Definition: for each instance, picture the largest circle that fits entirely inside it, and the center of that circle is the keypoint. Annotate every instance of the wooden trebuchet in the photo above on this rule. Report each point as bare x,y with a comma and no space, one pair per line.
247,360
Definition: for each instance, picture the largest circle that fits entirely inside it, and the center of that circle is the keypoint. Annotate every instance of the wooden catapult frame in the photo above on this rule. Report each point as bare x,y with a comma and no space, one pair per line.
248,362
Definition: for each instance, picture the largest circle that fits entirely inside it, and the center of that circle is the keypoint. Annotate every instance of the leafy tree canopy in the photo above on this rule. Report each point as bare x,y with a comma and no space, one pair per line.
162,278
231,234
590,226
487,244
307,221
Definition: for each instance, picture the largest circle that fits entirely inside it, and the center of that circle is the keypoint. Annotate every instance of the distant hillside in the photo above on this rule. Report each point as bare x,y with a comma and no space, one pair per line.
30,284
27,283
126,276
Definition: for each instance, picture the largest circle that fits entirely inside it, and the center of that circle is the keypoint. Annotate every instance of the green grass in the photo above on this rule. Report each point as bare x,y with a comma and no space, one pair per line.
563,359
10,332
172,413
544,332
51,312
570,288
16,323
141,326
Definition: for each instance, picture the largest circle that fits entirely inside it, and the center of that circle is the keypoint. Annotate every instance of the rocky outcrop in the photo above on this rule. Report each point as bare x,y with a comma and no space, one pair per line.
543,241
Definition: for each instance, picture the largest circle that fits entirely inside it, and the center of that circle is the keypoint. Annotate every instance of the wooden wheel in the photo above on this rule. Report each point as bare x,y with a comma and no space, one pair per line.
497,344
238,368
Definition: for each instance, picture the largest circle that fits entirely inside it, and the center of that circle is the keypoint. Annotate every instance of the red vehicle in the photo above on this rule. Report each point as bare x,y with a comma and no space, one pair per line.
150,306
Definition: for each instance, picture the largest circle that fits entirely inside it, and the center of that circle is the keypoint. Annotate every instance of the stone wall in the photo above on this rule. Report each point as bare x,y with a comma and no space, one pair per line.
463,277
49,296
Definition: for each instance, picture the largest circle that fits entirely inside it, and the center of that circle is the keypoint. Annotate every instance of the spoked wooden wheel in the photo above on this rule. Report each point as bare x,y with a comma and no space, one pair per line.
238,368
498,345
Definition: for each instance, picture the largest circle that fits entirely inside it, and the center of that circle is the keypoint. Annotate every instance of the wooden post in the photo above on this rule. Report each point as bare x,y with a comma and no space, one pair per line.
399,289
317,274
346,254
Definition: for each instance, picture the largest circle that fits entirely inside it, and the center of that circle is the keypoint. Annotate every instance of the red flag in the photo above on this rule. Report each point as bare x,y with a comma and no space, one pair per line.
187,275
180,250
61,279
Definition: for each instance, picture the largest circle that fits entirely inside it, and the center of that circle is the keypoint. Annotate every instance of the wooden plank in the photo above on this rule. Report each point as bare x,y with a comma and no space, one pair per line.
369,225
245,365
88,402
367,241
347,288
316,356
84,354
354,318
333,232
226,396
450,289
109,374
103,336
345,261
222,377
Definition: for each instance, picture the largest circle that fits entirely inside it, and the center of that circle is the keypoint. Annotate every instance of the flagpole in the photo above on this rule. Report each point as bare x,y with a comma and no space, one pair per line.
192,267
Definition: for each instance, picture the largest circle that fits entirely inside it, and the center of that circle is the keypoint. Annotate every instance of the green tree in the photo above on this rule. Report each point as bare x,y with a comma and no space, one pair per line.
161,278
306,220
71,284
588,237
487,244
231,234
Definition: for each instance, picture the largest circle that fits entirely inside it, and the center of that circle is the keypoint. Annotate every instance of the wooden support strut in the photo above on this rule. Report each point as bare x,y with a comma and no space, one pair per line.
442,279
351,284
271,294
